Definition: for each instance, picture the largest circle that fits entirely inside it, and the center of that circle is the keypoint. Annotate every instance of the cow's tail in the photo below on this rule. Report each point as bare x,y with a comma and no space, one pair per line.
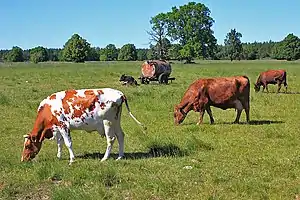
284,78
131,115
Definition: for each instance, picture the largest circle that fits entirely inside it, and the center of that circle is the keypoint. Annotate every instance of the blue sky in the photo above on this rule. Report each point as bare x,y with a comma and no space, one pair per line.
30,23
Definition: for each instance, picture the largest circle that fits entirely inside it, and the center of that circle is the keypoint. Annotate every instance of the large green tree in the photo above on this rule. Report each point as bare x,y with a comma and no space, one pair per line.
191,25
287,49
109,53
127,52
158,35
15,55
174,52
38,54
291,47
233,45
76,49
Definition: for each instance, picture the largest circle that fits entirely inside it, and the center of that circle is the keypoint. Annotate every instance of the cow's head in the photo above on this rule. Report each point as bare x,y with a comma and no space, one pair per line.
256,87
31,148
179,115
122,78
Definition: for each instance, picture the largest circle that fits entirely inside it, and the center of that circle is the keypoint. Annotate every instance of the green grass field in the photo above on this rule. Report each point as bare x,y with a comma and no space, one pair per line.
259,160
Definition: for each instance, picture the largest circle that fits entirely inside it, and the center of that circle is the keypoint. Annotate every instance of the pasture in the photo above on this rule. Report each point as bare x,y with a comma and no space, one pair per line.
260,160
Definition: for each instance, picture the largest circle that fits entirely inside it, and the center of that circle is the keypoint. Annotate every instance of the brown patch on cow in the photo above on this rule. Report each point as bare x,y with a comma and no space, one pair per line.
80,104
69,96
42,129
52,97
89,92
100,92
102,105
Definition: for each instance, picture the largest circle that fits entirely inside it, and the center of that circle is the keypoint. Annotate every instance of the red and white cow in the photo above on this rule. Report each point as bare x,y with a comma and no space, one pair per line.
86,109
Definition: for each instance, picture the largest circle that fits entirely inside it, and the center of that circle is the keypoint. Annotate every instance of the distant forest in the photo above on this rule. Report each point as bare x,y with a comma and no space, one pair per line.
184,33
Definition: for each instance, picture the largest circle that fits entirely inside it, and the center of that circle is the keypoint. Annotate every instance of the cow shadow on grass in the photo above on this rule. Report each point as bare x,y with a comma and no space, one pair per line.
255,122
153,152
252,122
288,92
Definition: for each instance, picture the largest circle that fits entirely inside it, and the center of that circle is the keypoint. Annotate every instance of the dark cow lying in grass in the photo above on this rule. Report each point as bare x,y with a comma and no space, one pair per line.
128,80
223,92
271,77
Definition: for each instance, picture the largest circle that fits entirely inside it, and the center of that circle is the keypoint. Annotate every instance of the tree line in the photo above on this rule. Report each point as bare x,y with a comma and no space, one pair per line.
184,34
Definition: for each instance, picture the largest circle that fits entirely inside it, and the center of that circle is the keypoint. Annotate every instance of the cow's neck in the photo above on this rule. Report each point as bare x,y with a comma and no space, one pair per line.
186,108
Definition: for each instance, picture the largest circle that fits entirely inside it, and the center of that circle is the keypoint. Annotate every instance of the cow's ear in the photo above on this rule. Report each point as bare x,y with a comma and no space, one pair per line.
26,136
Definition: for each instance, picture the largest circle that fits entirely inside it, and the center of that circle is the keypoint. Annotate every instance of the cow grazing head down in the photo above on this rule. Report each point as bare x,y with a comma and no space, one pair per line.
31,148
179,115
256,87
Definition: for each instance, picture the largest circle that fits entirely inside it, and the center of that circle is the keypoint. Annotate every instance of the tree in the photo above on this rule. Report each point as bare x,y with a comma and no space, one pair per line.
233,45
3,55
76,49
15,55
161,49
187,53
127,52
142,54
109,53
287,49
291,47
94,54
54,54
190,25
38,54
158,35
174,52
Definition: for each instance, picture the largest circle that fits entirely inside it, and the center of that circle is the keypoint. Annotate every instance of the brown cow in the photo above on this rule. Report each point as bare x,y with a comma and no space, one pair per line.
271,77
224,93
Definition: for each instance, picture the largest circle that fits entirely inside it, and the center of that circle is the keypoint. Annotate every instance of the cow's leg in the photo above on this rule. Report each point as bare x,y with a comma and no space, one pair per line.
201,111
120,137
110,138
68,142
60,143
285,85
267,88
210,114
279,86
247,109
239,108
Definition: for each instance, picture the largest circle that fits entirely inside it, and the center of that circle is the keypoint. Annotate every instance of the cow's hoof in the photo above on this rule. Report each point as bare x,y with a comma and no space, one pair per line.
120,157
71,162
103,159
235,122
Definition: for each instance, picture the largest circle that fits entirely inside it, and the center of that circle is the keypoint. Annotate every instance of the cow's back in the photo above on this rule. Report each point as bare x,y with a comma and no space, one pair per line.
270,76
225,89
83,109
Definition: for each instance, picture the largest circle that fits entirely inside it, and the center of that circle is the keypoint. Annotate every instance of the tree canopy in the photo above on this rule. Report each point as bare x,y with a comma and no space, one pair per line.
233,45
38,54
158,35
190,26
15,55
76,49
109,53
127,52
288,48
